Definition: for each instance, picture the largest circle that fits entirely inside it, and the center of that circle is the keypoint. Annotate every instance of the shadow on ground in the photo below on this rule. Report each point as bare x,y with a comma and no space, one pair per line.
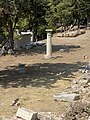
42,49
37,75
65,48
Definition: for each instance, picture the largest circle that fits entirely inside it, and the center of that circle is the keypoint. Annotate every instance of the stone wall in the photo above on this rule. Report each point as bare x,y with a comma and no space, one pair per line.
25,39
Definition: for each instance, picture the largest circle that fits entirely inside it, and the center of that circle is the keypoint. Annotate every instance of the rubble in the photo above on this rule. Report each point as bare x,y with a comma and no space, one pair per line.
71,33
78,97
49,116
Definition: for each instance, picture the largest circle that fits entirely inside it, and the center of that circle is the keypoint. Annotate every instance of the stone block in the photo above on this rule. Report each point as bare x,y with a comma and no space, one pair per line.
67,97
26,114
21,68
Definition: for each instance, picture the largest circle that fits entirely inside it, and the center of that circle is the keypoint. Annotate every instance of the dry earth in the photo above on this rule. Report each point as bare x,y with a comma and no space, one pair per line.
42,79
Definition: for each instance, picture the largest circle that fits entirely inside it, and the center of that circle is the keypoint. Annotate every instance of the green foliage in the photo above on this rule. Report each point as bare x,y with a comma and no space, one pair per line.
22,24
38,15
69,10
51,16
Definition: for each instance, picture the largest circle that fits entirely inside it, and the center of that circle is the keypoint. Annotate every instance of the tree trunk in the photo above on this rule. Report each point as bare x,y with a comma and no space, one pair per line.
35,21
35,32
78,23
11,35
35,26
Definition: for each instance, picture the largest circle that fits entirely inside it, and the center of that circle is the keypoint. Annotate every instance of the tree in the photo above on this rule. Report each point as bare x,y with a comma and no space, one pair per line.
64,11
51,14
37,15
73,10
9,13
36,12
33,11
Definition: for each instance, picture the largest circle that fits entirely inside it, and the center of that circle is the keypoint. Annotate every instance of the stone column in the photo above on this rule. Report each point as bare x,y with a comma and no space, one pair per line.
49,44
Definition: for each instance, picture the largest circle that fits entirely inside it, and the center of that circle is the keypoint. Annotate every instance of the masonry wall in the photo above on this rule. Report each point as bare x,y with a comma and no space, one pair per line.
26,39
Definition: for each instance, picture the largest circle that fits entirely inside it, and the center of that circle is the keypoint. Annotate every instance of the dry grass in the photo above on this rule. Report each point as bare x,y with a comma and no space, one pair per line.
42,79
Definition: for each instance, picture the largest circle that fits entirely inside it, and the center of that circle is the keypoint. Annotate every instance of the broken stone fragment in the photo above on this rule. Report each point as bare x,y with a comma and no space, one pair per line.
83,81
67,97
10,51
26,114
86,98
75,81
86,76
49,116
14,102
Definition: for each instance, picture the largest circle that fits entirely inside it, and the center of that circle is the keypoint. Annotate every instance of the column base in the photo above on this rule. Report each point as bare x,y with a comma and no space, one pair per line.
48,56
